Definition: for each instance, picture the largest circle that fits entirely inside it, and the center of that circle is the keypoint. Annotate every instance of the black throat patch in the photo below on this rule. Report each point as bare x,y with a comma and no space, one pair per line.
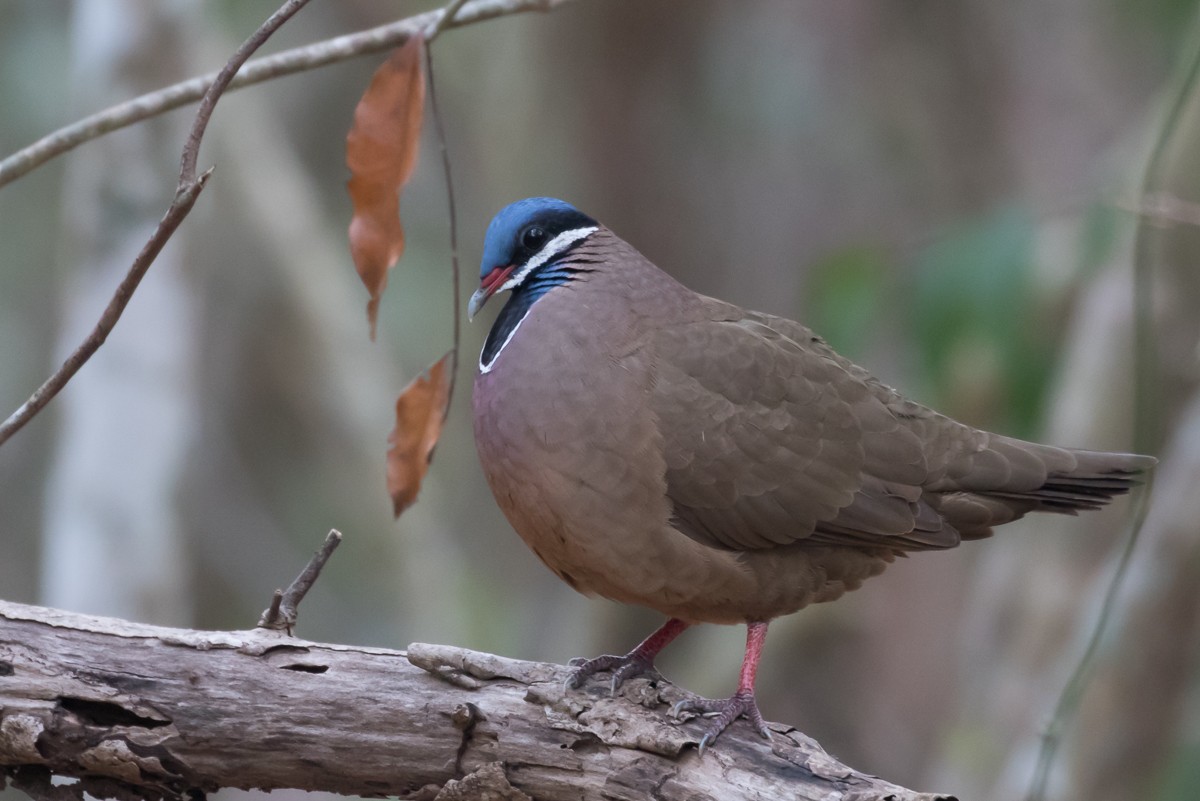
514,311
521,301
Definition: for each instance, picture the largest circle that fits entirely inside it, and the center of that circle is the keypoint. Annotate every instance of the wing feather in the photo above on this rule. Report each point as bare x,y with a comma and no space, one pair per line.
771,438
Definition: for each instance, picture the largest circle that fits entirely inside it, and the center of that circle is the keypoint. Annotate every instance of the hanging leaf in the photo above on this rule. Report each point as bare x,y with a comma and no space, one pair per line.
420,413
381,152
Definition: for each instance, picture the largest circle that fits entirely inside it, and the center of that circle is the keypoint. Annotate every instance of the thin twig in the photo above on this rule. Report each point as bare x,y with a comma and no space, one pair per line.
270,618
185,198
448,15
282,613
300,59
456,300
191,150
186,192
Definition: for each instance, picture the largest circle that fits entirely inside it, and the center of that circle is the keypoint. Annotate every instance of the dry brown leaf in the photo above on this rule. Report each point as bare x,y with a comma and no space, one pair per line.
381,152
420,412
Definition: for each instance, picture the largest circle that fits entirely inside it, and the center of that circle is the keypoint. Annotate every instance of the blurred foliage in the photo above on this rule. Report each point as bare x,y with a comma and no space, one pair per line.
1166,19
973,306
1181,779
985,349
1098,236
845,297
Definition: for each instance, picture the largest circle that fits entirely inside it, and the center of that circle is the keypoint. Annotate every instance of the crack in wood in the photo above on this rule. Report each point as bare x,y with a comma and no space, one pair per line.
302,668
294,657
126,683
284,648
107,714
465,717
174,768
34,781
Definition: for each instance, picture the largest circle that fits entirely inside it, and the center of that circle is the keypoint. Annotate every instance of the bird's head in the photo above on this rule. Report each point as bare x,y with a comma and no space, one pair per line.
525,238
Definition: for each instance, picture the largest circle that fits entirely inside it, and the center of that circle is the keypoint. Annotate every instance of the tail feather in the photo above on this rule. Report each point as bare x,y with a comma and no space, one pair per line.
1067,482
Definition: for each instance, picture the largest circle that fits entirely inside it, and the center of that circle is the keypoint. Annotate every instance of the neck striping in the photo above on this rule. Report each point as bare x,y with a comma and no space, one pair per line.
525,294
554,248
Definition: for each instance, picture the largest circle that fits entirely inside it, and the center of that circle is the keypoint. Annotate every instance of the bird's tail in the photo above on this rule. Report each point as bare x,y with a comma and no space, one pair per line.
1012,478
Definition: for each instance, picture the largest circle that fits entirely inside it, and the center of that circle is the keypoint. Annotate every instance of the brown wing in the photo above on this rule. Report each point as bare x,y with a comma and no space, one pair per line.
771,438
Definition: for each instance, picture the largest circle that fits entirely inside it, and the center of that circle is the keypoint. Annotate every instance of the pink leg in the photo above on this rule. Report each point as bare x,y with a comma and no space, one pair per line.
742,703
638,661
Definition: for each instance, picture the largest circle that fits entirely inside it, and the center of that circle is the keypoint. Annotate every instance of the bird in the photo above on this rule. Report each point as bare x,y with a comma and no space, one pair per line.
658,447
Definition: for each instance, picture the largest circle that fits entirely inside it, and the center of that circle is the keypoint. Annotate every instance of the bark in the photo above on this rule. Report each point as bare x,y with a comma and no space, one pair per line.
138,711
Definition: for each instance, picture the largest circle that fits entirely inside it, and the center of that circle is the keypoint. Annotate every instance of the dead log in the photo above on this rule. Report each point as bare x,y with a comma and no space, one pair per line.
135,711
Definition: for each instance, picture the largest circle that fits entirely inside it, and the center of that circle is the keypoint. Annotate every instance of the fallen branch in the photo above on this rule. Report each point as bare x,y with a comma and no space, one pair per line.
136,711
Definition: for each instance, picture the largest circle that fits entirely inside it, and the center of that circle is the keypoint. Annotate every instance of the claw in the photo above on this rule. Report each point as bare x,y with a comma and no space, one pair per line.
641,660
635,663
631,667
622,667
725,712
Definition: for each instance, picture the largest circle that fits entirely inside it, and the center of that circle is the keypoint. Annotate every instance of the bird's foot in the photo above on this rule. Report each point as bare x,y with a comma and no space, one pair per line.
622,667
635,663
725,711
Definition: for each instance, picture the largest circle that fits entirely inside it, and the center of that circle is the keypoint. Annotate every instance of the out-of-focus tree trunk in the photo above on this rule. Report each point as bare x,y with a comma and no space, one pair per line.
302,306
113,542
1032,604
1051,589
1147,681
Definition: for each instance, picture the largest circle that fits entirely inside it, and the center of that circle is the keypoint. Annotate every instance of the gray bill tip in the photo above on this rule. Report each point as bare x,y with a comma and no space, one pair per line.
476,302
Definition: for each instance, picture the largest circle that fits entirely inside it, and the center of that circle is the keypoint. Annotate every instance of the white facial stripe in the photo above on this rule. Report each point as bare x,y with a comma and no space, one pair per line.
487,368
554,247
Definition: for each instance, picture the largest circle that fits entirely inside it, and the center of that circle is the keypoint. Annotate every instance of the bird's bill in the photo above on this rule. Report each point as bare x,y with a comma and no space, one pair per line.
487,287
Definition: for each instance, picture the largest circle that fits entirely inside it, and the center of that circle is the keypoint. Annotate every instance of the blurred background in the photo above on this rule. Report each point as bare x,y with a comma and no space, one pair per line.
948,192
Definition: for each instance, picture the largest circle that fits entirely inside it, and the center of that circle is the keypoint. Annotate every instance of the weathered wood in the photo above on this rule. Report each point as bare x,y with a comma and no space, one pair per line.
139,711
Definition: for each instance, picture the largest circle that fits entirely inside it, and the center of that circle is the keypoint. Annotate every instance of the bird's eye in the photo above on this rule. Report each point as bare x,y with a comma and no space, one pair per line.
533,238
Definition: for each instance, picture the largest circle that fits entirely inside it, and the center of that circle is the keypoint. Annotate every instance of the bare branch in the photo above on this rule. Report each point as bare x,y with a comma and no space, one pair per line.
281,615
185,198
169,713
320,54
448,15
455,288
191,150
186,192
271,618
